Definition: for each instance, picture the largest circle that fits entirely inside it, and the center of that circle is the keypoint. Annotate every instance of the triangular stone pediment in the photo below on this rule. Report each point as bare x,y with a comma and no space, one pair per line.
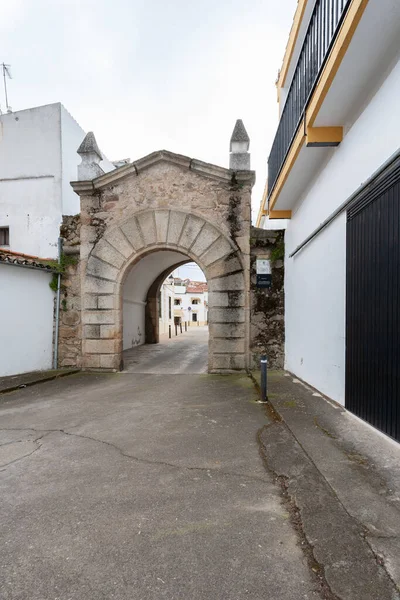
163,156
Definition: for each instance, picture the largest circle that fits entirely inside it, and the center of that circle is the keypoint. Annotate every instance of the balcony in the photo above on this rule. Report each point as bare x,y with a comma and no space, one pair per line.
325,22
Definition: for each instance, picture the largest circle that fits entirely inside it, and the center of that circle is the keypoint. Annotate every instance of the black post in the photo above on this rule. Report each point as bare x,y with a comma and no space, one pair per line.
169,331
185,325
176,329
264,363
180,325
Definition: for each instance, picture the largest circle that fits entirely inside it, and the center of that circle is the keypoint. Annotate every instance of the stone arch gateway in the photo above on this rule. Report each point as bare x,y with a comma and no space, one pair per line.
163,203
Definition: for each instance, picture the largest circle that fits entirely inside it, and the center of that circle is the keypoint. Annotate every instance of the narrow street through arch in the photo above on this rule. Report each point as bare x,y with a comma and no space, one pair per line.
184,353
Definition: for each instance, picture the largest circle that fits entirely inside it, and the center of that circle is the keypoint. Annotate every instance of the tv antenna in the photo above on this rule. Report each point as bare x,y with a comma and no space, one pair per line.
6,74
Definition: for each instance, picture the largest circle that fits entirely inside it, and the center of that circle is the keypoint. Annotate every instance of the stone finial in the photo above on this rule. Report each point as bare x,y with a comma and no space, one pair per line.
91,157
239,158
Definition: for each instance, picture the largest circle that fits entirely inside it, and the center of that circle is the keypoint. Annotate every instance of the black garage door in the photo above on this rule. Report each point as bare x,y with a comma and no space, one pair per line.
373,305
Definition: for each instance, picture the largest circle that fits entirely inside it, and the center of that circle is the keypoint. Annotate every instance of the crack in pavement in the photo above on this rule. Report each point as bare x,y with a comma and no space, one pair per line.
136,458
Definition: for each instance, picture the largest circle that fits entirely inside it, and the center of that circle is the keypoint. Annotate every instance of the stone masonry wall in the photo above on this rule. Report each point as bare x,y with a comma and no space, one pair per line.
70,332
267,325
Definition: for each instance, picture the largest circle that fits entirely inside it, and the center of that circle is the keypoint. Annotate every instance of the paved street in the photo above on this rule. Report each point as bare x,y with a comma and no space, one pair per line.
185,353
142,486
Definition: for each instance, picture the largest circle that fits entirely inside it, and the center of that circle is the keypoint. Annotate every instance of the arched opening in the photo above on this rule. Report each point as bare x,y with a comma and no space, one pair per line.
165,301
132,260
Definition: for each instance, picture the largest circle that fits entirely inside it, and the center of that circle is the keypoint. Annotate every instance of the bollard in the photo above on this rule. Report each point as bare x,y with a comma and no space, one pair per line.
180,325
264,391
176,329
169,331
185,325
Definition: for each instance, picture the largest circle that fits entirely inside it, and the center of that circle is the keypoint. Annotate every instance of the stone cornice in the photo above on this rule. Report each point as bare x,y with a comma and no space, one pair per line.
135,168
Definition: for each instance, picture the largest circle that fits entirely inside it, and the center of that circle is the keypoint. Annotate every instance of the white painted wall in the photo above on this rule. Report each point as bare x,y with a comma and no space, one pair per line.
315,278
30,179
26,317
136,286
38,160
167,293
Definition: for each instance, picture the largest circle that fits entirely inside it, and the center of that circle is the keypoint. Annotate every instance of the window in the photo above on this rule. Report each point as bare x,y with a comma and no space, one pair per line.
195,301
169,307
177,301
194,316
160,305
4,236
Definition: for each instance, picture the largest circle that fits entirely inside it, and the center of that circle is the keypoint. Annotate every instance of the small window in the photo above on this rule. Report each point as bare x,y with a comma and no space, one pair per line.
177,301
4,236
195,301
194,317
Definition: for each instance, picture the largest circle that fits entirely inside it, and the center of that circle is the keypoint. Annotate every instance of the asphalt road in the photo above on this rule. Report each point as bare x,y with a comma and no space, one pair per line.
142,487
185,353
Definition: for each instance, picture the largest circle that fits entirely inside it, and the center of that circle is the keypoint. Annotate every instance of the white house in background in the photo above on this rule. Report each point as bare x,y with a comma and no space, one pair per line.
334,173
166,307
191,302
38,160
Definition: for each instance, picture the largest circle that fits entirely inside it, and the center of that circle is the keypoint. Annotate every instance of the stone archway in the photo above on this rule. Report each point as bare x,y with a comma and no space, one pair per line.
151,231
162,203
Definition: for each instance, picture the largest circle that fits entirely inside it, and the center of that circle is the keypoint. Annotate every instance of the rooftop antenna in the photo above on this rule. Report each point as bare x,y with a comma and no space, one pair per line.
6,73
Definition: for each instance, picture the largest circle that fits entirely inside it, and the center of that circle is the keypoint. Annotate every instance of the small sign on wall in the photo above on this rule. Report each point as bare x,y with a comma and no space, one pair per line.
263,273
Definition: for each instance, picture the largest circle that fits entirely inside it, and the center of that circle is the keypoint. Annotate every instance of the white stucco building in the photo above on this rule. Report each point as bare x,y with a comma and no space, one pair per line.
38,160
333,174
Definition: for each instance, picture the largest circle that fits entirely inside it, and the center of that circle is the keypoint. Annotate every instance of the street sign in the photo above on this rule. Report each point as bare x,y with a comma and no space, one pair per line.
263,273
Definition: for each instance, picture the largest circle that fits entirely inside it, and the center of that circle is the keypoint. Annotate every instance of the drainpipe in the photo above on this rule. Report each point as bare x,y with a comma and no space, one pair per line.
55,357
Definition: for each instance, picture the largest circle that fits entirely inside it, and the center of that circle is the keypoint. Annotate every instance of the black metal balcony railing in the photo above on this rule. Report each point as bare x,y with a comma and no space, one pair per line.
322,30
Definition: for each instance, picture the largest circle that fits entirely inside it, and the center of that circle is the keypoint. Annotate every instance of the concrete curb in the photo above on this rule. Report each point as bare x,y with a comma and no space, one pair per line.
35,381
336,536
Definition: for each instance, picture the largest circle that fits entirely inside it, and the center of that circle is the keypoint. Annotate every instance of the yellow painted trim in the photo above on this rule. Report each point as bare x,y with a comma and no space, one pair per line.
280,214
324,135
291,158
294,34
261,211
332,65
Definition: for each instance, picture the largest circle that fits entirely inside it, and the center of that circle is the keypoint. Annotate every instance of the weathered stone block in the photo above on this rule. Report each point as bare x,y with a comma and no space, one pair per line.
118,240
110,361
191,230
176,223
223,299
109,332
108,254
227,315
99,317
90,301
230,282
234,346
238,361
227,330
91,331
106,301
132,233
91,361
220,248
162,218
207,236
220,361
148,227
224,266
70,317
100,346
94,285
101,269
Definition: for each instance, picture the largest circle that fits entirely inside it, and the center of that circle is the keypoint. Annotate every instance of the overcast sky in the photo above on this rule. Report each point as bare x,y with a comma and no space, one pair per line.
147,75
